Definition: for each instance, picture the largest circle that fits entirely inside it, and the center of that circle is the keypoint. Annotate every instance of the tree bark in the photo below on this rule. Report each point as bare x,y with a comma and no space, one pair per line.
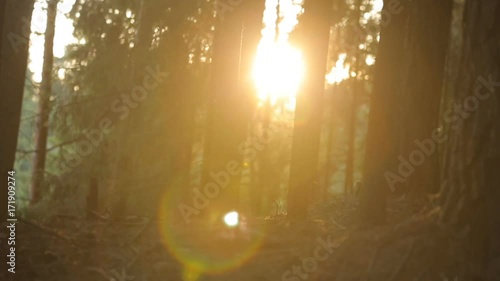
14,39
313,36
42,120
351,139
422,82
15,18
355,92
330,165
382,135
470,178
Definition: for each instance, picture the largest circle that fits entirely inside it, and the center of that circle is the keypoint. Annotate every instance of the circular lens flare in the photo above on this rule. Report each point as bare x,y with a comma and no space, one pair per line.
201,244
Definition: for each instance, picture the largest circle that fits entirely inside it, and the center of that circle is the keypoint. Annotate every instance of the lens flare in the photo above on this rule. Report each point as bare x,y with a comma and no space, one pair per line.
202,244
231,219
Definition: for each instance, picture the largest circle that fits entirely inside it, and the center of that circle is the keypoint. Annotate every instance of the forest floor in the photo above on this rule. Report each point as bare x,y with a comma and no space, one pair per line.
331,246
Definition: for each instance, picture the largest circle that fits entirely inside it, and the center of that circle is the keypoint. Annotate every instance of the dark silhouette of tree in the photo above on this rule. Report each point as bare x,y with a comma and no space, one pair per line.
404,115
15,18
382,135
470,177
425,50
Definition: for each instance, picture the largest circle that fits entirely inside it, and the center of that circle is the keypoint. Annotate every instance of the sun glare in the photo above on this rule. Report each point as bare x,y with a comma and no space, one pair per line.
339,72
279,67
278,71
63,34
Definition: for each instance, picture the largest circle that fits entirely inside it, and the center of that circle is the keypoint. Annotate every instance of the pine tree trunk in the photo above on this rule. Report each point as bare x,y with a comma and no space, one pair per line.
422,82
470,178
237,35
15,18
351,139
355,93
313,34
382,135
42,120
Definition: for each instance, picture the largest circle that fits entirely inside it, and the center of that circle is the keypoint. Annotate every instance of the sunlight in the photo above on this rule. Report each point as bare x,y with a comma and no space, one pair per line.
339,72
231,219
278,71
279,68
63,34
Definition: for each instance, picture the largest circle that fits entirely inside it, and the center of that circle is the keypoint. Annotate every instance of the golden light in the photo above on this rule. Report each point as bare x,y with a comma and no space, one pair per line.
63,34
278,71
279,68
231,219
339,72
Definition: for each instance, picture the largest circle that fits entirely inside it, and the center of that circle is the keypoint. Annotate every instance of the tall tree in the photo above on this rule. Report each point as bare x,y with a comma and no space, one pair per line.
236,39
15,18
313,35
355,92
14,38
470,176
425,50
42,119
382,136
411,92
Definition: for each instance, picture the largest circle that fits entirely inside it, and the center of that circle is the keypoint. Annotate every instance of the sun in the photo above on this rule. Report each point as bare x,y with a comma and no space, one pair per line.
278,67
278,70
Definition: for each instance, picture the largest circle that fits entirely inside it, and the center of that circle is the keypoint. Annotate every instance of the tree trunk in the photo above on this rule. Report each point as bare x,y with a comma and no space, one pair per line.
254,11
470,178
351,139
422,82
42,120
237,35
124,171
355,92
330,166
313,34
15,18
261,190
381,139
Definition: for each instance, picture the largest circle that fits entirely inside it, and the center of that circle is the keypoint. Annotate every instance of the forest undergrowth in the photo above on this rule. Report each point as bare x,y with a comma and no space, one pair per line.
66,247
